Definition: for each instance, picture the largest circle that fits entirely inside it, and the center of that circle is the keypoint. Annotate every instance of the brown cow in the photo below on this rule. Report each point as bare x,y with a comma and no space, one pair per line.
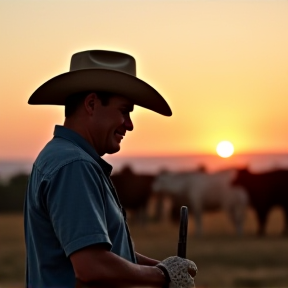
134,191
265,190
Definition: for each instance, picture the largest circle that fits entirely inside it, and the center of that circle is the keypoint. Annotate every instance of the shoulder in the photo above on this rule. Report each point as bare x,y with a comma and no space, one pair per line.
60,153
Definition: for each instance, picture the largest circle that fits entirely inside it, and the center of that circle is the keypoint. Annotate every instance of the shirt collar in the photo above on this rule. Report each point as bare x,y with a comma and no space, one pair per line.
78,140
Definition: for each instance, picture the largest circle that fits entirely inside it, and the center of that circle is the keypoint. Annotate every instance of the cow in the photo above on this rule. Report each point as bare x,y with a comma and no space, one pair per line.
265,190
201,191
134,191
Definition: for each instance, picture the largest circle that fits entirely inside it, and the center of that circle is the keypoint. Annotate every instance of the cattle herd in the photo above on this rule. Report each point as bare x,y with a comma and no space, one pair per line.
231,190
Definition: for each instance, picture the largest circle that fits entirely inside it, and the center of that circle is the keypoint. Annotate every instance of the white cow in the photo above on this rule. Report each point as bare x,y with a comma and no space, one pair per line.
205,191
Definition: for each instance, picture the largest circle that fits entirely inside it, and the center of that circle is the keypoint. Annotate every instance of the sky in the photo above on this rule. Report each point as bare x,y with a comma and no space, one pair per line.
221,65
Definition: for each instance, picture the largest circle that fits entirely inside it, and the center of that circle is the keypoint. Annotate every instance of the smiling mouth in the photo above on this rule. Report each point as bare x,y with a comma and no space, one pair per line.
120,135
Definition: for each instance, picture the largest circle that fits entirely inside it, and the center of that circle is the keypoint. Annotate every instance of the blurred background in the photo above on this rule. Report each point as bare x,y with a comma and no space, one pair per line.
223,68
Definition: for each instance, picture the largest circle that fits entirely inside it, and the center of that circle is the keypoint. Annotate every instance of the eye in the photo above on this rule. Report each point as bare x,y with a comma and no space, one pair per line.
124,111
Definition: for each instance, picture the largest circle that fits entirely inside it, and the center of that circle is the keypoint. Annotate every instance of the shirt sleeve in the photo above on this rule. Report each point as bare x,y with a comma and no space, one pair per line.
75,202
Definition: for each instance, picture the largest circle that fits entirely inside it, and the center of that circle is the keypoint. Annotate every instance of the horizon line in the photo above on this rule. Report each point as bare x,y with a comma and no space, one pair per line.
152,155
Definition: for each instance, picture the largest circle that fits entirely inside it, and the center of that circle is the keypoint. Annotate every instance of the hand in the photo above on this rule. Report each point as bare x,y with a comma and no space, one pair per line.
181,272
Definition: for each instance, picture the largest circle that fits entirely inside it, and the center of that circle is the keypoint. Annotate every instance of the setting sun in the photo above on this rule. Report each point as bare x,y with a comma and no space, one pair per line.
225,149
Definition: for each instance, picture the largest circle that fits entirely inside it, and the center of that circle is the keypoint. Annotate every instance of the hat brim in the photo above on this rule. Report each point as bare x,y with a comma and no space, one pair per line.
56,90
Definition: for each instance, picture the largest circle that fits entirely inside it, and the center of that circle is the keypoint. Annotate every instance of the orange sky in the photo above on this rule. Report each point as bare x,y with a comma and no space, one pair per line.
221,65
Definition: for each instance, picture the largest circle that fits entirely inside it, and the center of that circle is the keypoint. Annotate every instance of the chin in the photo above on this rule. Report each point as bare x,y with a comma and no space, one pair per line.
113,150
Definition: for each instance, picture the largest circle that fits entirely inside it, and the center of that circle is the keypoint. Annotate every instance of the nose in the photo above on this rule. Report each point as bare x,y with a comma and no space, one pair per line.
128,123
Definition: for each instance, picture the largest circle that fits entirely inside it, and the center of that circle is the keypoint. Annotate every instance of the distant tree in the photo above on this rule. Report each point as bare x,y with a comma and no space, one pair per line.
12,194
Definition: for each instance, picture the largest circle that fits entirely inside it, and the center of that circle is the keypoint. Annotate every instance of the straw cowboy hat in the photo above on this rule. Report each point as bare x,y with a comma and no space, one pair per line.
99,70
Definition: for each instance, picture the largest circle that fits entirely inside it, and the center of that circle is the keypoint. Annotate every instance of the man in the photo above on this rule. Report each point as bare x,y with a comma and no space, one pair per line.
75,226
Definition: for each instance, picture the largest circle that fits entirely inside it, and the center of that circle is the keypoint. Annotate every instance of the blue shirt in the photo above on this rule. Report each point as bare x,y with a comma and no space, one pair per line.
70,204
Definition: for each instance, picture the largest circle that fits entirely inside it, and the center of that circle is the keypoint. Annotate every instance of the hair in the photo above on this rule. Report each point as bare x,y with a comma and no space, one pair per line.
75,100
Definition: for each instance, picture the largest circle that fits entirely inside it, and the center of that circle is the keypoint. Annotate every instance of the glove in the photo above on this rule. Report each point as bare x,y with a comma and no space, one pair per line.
177,271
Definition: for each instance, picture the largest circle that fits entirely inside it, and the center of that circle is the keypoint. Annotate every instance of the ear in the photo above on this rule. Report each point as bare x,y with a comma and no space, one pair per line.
90,103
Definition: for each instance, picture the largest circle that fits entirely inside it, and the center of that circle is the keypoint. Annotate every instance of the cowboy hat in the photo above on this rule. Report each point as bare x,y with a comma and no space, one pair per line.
99,70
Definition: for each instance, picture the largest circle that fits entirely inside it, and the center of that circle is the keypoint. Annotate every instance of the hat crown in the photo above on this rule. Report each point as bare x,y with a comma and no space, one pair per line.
101,59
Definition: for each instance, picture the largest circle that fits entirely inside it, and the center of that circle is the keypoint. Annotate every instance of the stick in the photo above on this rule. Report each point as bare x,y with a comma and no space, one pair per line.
183,232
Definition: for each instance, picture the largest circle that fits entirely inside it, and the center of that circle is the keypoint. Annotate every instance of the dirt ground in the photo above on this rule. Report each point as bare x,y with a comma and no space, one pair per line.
223,259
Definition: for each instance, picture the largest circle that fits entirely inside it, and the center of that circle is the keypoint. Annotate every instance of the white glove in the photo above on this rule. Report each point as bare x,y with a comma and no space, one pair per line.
178,270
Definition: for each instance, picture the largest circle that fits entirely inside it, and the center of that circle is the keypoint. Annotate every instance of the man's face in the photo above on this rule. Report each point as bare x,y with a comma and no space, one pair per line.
110,124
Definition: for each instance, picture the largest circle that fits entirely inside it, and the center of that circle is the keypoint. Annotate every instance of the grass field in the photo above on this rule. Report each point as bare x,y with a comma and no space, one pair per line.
223,259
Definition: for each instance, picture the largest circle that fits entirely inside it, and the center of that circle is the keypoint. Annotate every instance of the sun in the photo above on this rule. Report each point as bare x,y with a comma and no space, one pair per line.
225,149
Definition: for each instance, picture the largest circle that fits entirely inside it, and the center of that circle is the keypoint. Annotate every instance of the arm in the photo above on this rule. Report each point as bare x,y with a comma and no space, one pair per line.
96,265
143,260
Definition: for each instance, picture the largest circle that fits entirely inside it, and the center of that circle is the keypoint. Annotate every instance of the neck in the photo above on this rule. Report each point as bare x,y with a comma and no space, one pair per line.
82,128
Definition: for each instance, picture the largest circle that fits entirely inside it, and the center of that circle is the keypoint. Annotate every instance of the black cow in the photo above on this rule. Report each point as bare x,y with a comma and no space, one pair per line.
265,190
